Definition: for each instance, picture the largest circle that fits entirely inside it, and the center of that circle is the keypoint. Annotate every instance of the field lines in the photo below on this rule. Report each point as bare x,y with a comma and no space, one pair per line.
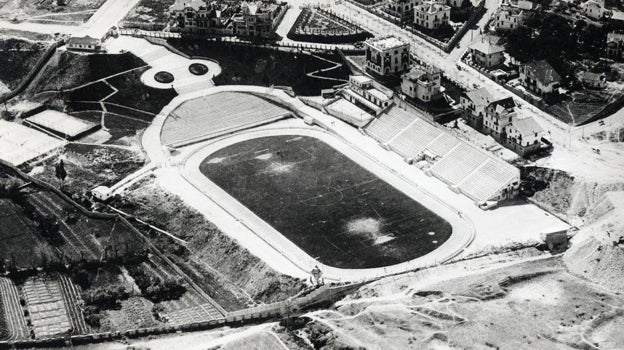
72,299
14,316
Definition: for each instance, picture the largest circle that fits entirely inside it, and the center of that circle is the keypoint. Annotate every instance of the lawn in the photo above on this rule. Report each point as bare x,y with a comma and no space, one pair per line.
133,93
17,58
325,203
262,66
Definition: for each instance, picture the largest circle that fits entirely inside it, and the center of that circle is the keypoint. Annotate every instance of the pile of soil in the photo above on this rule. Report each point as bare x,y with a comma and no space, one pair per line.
597,252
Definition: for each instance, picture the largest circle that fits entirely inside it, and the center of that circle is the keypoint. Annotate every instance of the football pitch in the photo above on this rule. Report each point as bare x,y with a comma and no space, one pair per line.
332,208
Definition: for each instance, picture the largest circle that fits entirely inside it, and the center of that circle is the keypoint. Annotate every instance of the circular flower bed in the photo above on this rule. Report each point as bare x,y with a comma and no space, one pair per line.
164,77
198,69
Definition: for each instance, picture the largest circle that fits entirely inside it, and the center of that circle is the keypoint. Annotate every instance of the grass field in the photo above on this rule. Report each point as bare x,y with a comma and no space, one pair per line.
17,57
68,70
325,203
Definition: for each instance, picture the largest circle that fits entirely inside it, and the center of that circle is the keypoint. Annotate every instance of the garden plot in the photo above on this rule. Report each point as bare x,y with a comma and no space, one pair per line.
47,309
12,321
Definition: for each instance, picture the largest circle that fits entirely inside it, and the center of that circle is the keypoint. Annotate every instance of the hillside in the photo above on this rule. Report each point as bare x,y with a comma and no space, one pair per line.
597,251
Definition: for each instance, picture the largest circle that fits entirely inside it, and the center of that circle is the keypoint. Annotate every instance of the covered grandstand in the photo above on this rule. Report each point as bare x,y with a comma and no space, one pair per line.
467,169
218,114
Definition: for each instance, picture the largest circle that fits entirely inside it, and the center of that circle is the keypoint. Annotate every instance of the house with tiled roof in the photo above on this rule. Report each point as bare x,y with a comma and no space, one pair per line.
486,54
431,14
615,45
539,77
507,18
523,135
473,105
498,114
422,83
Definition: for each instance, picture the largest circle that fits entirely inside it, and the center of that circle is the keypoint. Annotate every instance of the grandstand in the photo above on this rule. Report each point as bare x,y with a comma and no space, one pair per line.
217,114
466,169
20,144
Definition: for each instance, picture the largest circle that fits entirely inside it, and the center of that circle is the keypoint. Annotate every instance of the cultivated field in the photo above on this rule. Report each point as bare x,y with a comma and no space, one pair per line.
328,205
22,245
12,324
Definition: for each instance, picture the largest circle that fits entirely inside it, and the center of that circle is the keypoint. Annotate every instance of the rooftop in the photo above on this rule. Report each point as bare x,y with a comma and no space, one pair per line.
480,97
386,42
527,126
543,71
486,47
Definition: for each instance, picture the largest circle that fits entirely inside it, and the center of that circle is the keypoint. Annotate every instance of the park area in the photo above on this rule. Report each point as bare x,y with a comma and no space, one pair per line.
325,203
251,65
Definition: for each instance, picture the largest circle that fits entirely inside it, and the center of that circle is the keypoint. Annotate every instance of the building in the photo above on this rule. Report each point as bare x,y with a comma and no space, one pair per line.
539,77
508,18
367,94
85,43
455,3
615,44
431,15
387,55
258,19
401,11
473,105
594,80
595,9
250,19
498,115
422,84
195,16
523,136
486,54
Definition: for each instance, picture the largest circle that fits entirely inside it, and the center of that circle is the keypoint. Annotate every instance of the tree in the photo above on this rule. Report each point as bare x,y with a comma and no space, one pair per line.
60,172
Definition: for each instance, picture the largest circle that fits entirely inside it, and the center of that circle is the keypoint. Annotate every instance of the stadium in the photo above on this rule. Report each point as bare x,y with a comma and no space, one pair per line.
300,188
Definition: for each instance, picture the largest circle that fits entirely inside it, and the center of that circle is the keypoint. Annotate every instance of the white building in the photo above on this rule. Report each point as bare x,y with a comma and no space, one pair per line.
486,54
367,94
85,43
422,84
431,15
508,18
523,135
595,9
387,55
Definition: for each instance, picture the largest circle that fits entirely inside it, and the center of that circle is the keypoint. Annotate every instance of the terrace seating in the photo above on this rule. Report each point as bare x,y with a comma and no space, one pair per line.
415,138
218,114
443,144
488,179
389,124
460,162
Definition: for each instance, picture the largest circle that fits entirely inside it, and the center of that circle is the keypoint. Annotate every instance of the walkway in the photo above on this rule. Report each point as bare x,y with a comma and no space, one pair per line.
161,59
